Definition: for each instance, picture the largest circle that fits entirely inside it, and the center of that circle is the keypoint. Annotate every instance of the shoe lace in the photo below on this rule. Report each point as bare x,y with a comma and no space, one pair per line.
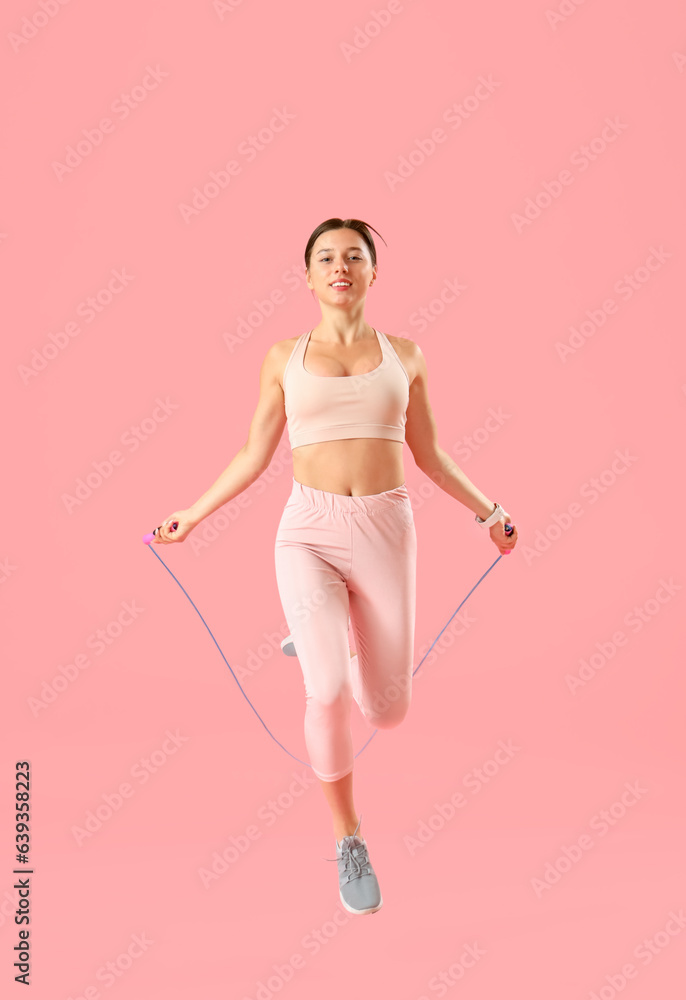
355,860
354,855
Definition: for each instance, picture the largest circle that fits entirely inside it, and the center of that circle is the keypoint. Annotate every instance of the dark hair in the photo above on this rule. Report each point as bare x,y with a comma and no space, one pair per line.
361,227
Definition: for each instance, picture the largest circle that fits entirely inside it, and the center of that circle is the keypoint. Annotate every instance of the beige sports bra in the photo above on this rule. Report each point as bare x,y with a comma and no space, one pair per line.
332,407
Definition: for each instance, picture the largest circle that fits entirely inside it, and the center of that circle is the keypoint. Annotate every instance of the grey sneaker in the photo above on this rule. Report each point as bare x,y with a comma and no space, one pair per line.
288,645
358,886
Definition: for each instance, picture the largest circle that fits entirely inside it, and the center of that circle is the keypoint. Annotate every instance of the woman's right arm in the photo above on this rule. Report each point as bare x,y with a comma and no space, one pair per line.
250,462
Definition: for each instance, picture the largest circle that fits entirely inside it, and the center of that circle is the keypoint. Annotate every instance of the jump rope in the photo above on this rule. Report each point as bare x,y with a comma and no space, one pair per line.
509,528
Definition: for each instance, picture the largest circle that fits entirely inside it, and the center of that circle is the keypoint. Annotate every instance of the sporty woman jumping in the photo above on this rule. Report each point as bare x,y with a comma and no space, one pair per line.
346,544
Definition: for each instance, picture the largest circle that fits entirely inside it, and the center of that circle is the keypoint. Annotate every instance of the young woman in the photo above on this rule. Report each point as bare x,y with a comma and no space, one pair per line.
346,543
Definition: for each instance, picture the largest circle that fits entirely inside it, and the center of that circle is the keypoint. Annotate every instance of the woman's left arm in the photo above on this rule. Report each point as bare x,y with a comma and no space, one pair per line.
422,439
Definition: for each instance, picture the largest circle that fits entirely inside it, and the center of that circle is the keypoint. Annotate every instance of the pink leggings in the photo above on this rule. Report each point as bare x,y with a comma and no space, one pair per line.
335,556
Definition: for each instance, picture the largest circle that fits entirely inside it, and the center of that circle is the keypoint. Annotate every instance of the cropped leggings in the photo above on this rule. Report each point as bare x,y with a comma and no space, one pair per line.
338,556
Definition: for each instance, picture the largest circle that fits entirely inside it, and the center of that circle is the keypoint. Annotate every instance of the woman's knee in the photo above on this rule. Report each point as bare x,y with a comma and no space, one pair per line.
331,702
389,707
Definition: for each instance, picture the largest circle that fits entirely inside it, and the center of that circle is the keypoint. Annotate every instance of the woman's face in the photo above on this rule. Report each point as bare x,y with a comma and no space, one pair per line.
340,255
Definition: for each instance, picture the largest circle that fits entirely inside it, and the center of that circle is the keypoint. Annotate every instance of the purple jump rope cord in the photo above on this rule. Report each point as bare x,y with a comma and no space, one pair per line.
148,539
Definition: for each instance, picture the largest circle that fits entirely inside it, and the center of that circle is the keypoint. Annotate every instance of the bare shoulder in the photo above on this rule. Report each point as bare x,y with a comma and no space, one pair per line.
277,357
410,354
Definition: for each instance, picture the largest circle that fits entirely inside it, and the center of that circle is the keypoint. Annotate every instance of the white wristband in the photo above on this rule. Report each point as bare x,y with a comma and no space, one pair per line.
492,518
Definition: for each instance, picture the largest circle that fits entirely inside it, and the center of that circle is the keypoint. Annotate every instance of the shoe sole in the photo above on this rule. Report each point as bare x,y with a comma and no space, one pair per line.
371,909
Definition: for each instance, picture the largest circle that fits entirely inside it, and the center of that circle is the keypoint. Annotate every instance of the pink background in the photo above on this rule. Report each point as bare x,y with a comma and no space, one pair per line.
362,96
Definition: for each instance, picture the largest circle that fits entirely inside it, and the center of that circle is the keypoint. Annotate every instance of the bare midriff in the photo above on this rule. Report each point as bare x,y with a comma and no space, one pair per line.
355,467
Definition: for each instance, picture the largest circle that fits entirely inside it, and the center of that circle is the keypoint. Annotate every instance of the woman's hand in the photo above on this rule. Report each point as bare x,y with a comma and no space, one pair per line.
185,521
504,542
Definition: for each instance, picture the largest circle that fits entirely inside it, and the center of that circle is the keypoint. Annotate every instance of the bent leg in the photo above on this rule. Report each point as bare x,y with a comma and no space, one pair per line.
382,594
